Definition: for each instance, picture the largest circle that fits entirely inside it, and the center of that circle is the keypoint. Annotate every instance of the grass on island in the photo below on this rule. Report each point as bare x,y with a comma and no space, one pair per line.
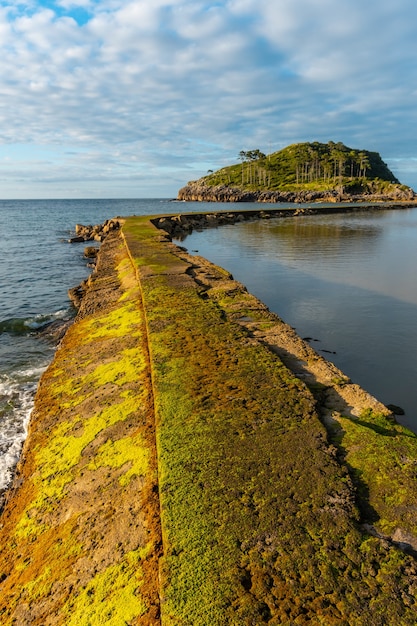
308,166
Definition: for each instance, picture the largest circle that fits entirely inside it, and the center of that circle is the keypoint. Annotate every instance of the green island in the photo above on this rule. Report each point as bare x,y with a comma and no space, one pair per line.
302,172
191,461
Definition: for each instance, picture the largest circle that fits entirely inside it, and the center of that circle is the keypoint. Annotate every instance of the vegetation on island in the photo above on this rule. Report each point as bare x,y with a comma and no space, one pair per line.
307,166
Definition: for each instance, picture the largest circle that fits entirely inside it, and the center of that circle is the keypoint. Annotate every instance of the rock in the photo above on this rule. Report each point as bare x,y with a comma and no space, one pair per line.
90,252
199,191
397,410
77,293
77,239
165,224
405,540
98,232
55,330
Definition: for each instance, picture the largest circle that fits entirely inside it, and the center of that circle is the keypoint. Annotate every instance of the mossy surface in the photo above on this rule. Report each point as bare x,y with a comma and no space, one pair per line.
174,456
111,597
259,516
129,450
86,526
382,456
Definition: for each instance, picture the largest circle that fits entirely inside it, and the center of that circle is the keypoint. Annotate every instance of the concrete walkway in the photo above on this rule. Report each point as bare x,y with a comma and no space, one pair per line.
191,461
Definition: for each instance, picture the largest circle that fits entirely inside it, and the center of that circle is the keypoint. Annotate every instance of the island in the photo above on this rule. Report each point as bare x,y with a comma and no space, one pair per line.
192,461
303,172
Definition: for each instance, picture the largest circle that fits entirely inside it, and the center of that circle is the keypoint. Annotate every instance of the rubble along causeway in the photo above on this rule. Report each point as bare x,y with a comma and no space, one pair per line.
191,460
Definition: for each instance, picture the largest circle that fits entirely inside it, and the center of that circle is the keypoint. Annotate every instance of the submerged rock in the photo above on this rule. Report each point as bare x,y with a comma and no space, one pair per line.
55,330
396,409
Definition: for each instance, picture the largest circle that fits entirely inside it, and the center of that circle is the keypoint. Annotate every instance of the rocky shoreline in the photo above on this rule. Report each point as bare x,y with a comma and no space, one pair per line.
96,232
197,191
84,233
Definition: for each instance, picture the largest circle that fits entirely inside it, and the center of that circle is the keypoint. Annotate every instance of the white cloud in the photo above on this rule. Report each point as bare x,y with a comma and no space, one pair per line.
174,83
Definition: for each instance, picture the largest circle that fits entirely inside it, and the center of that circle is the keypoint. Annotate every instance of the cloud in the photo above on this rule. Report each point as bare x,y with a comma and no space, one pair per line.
162,90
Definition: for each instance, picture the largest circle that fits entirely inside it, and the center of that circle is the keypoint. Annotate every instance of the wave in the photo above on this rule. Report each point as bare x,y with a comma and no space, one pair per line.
17,395
31,325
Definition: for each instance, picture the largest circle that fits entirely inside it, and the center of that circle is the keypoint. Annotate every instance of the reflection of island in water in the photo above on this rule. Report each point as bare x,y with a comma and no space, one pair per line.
357,250
311,235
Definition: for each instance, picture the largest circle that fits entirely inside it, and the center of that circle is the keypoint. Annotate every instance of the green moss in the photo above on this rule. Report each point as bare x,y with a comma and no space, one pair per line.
340,380
112,596
224,407
382,456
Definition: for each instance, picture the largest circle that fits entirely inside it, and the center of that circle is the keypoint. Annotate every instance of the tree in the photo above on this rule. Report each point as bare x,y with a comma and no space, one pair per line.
250,156
364,164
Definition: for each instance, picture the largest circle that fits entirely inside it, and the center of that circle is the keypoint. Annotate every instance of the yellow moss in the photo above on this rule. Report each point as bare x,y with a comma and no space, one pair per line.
131,451
41,586
65,451
112,596
126,275
120,322
125,370
62,453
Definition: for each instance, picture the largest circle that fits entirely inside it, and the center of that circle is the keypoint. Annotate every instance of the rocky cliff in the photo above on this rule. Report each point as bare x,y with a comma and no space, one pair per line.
200,191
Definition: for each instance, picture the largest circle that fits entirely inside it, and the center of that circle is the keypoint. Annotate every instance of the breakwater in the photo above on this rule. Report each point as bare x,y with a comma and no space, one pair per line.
191,460
180,225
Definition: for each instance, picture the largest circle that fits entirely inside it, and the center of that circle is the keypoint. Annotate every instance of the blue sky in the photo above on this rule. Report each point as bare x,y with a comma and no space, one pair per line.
127,99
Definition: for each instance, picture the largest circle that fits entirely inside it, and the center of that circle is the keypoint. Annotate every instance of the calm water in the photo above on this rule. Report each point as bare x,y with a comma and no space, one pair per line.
348,281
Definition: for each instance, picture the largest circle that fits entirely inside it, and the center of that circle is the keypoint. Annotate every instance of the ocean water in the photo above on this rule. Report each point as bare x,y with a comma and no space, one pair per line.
347,280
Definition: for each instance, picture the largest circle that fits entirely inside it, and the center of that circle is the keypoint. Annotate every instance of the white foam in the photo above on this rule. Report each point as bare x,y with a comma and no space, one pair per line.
37,321
17,394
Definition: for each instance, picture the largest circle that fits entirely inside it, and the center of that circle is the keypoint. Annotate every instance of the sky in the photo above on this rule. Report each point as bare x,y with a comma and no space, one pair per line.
132,99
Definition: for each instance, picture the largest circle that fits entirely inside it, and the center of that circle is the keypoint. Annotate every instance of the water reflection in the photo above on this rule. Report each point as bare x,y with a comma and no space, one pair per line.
312,235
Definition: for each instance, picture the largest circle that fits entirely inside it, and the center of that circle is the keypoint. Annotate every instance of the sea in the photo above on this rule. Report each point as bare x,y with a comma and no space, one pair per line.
347,282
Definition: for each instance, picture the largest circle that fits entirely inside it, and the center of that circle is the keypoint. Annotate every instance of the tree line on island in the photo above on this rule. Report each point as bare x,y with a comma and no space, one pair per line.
304,165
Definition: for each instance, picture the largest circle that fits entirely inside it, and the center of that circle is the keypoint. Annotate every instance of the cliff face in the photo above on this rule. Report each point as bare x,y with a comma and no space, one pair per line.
200,191
190,460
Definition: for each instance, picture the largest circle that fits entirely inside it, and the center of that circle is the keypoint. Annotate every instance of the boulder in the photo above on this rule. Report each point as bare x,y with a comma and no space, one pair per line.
397,410
97,232
90,252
